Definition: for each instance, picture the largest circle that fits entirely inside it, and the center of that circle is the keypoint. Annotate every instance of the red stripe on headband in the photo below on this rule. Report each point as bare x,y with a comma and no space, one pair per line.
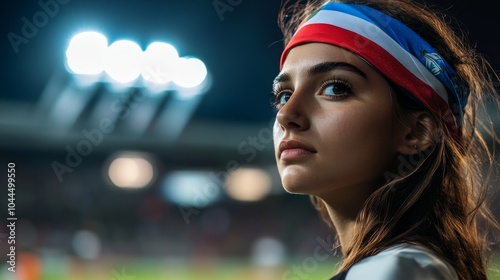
377,56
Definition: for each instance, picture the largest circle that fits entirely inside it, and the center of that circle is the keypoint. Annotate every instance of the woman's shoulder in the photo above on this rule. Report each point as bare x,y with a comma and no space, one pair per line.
408,262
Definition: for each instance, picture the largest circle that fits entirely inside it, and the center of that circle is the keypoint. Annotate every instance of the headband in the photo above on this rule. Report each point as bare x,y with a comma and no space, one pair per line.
394,50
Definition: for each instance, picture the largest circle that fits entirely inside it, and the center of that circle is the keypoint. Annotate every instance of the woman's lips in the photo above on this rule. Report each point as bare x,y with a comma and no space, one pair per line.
292,149
294,154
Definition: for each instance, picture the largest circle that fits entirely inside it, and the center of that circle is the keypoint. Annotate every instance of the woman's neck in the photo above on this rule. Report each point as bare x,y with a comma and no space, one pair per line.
343,206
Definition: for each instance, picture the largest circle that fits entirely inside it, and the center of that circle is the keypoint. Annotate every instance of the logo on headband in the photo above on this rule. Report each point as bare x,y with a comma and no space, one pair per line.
433,61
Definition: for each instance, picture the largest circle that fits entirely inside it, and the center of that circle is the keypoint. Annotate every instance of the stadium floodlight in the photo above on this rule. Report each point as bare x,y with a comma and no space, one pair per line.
191,72
160,62
123,61
85,53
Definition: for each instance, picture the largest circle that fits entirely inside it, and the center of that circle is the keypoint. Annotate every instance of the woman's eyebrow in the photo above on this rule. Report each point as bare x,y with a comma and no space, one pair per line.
281,78
331,65
323,67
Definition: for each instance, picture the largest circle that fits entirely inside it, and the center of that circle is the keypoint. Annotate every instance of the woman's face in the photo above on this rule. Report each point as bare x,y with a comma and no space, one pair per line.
335,128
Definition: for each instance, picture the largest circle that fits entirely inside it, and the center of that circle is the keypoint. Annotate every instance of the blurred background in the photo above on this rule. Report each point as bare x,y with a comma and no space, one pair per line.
164,172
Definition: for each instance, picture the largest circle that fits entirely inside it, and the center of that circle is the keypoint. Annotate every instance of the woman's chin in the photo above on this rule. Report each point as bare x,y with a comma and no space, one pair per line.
296,180
295,189
295,186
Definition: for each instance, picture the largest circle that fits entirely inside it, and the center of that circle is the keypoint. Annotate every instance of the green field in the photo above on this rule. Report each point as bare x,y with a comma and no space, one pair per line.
154,269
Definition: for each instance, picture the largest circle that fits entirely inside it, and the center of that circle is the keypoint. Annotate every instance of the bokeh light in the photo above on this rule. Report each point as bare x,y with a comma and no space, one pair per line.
248,184
268,252
86,244
190,188
85,53
123,61
160,61
191,72
131,171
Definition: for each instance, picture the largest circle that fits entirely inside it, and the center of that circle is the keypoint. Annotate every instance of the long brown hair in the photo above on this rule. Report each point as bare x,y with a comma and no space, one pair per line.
441,201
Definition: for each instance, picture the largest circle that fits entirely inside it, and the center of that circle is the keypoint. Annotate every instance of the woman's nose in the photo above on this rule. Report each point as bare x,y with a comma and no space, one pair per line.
292,116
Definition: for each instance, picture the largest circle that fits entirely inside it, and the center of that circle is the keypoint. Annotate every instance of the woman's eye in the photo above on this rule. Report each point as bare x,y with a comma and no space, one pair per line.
283,98
336,89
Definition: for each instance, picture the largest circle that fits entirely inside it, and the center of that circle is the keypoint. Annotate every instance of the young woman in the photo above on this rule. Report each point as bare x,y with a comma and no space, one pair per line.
376,120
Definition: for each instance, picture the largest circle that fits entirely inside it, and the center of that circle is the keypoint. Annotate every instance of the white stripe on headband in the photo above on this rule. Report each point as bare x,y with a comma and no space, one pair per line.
379,37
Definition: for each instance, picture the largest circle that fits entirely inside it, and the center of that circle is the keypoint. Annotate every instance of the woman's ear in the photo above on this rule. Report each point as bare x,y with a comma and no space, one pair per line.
419,132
